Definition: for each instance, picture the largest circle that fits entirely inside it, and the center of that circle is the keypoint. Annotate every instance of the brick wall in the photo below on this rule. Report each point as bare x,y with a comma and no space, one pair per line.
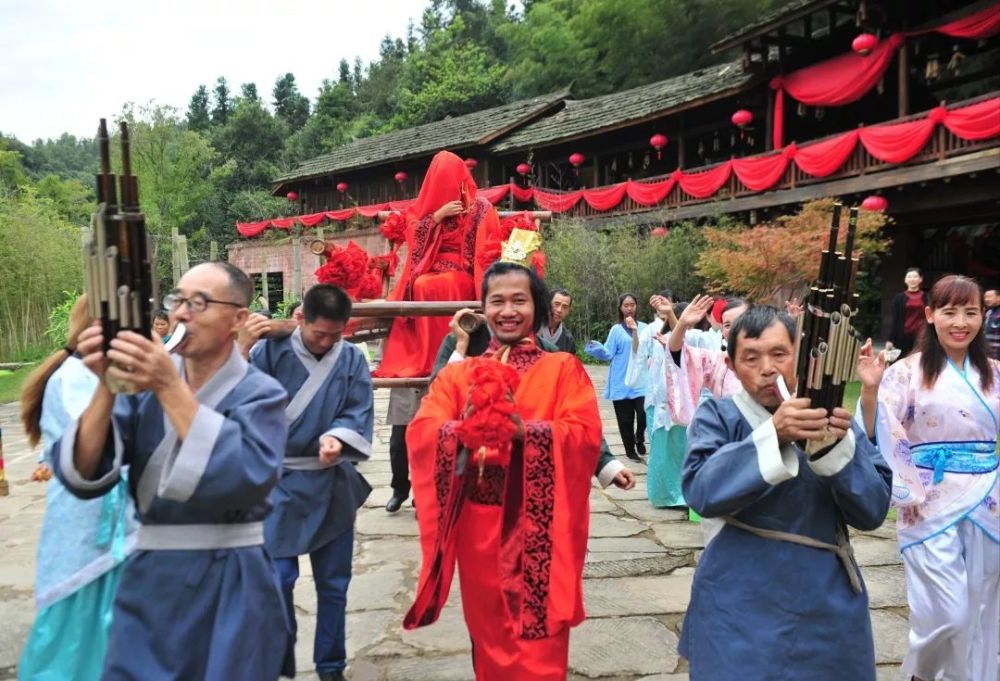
250,255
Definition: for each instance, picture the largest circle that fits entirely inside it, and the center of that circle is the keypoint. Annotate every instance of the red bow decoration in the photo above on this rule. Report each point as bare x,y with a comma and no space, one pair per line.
488,429
352,269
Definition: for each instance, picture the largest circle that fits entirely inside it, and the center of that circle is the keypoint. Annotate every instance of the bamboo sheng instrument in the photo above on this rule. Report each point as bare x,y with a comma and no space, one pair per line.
827,347
118,273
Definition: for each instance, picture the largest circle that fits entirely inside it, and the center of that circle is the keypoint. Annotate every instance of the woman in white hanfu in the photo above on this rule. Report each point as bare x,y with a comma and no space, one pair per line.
935,421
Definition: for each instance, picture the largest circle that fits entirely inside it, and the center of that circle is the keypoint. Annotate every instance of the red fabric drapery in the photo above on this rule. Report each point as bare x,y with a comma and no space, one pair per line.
982,24
976,121
898,142
761,172
848,77
605,198
892,142
825,157
650,193
704,184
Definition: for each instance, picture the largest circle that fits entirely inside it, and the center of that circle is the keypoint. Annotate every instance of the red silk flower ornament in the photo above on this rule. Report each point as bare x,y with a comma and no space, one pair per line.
342,187
864,44
471,163
523,169
875,204
394,228
344,267
488,430
576,159
292,196
658,141
658,231
371,285
401,177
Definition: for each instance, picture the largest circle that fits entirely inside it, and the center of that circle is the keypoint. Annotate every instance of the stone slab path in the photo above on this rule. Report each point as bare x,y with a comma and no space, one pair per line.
637,581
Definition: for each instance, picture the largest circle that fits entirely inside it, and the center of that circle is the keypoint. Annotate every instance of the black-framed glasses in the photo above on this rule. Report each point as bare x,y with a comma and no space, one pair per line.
196,302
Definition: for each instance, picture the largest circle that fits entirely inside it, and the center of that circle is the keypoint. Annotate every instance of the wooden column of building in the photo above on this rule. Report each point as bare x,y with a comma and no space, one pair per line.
904,81
680,140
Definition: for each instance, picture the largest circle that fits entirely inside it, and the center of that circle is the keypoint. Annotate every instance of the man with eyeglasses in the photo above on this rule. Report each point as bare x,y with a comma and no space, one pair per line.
331,416
204,437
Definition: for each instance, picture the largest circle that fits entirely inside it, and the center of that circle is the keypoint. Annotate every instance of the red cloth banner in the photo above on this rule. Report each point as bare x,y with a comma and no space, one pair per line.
976,121
340,215
495,194
557,203
522,194
898,142
372,210
312,220
252,229
650,193
982,24
704,184
825,157
605,198
760,173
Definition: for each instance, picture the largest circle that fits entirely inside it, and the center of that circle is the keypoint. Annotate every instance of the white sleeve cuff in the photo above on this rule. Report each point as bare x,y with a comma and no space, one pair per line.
776,463
347,436
456,356
836,459
71,475
611,469
183,472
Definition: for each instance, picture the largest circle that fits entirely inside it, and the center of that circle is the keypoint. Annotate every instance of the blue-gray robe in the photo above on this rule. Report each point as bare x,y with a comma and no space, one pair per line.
768,609
330,396
195,613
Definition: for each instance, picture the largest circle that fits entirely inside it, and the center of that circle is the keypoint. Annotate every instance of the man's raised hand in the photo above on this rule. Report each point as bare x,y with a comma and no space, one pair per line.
796,420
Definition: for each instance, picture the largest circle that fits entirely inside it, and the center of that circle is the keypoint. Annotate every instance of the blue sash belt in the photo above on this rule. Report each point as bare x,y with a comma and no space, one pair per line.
956,457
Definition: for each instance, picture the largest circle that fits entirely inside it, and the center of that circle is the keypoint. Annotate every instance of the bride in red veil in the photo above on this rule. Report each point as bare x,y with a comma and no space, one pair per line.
442,229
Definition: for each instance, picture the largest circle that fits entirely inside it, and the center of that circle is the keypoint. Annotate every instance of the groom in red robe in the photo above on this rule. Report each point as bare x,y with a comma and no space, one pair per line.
518,529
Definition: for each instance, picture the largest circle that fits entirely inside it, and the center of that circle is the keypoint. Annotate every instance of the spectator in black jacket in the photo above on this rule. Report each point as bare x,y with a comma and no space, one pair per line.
555,331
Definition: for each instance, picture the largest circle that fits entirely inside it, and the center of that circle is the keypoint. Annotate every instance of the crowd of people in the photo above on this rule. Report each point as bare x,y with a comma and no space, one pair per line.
179,512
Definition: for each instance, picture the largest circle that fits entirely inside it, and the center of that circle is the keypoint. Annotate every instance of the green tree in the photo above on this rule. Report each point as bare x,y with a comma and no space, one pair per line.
249,91
73,201
254,141
223,102
198,117
289,104
545,53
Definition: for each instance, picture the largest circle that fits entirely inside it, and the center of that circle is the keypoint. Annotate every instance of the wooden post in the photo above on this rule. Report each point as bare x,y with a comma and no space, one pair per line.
769,122
904,81
175,261
510,201
263,282
680,140
182,254
213,250
297,266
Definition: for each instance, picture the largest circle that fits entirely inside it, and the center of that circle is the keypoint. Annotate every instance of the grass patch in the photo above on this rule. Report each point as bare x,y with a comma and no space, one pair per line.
10,383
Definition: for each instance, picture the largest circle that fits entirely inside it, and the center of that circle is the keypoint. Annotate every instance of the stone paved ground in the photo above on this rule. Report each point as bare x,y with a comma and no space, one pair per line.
637,582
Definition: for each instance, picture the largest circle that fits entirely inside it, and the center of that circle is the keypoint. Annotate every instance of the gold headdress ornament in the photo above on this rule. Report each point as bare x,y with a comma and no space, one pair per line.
520,247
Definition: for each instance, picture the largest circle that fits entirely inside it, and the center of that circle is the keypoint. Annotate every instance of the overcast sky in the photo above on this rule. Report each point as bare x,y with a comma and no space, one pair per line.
66,63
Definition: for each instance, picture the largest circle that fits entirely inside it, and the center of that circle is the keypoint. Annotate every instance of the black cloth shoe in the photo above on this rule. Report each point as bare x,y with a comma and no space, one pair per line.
394,503
640,448
634,457
332,676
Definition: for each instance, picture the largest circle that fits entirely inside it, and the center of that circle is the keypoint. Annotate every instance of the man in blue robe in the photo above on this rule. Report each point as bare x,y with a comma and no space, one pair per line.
777,594
204,437
330,418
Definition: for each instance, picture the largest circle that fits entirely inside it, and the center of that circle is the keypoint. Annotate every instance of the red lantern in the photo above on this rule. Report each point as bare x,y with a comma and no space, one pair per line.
864,44
875,204
658,231
523,169
401,177
292,196
742,118
471,163
576,159
658,141
342,187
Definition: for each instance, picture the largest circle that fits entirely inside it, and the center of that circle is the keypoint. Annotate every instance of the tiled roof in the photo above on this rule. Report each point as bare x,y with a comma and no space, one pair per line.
479,127
583,117
771,20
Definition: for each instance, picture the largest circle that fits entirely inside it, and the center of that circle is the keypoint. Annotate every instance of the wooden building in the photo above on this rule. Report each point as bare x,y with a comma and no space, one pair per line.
916,120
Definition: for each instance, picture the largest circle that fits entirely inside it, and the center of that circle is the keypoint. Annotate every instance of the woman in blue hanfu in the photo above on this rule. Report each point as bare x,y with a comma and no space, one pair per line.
628,400
83,543
935,421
